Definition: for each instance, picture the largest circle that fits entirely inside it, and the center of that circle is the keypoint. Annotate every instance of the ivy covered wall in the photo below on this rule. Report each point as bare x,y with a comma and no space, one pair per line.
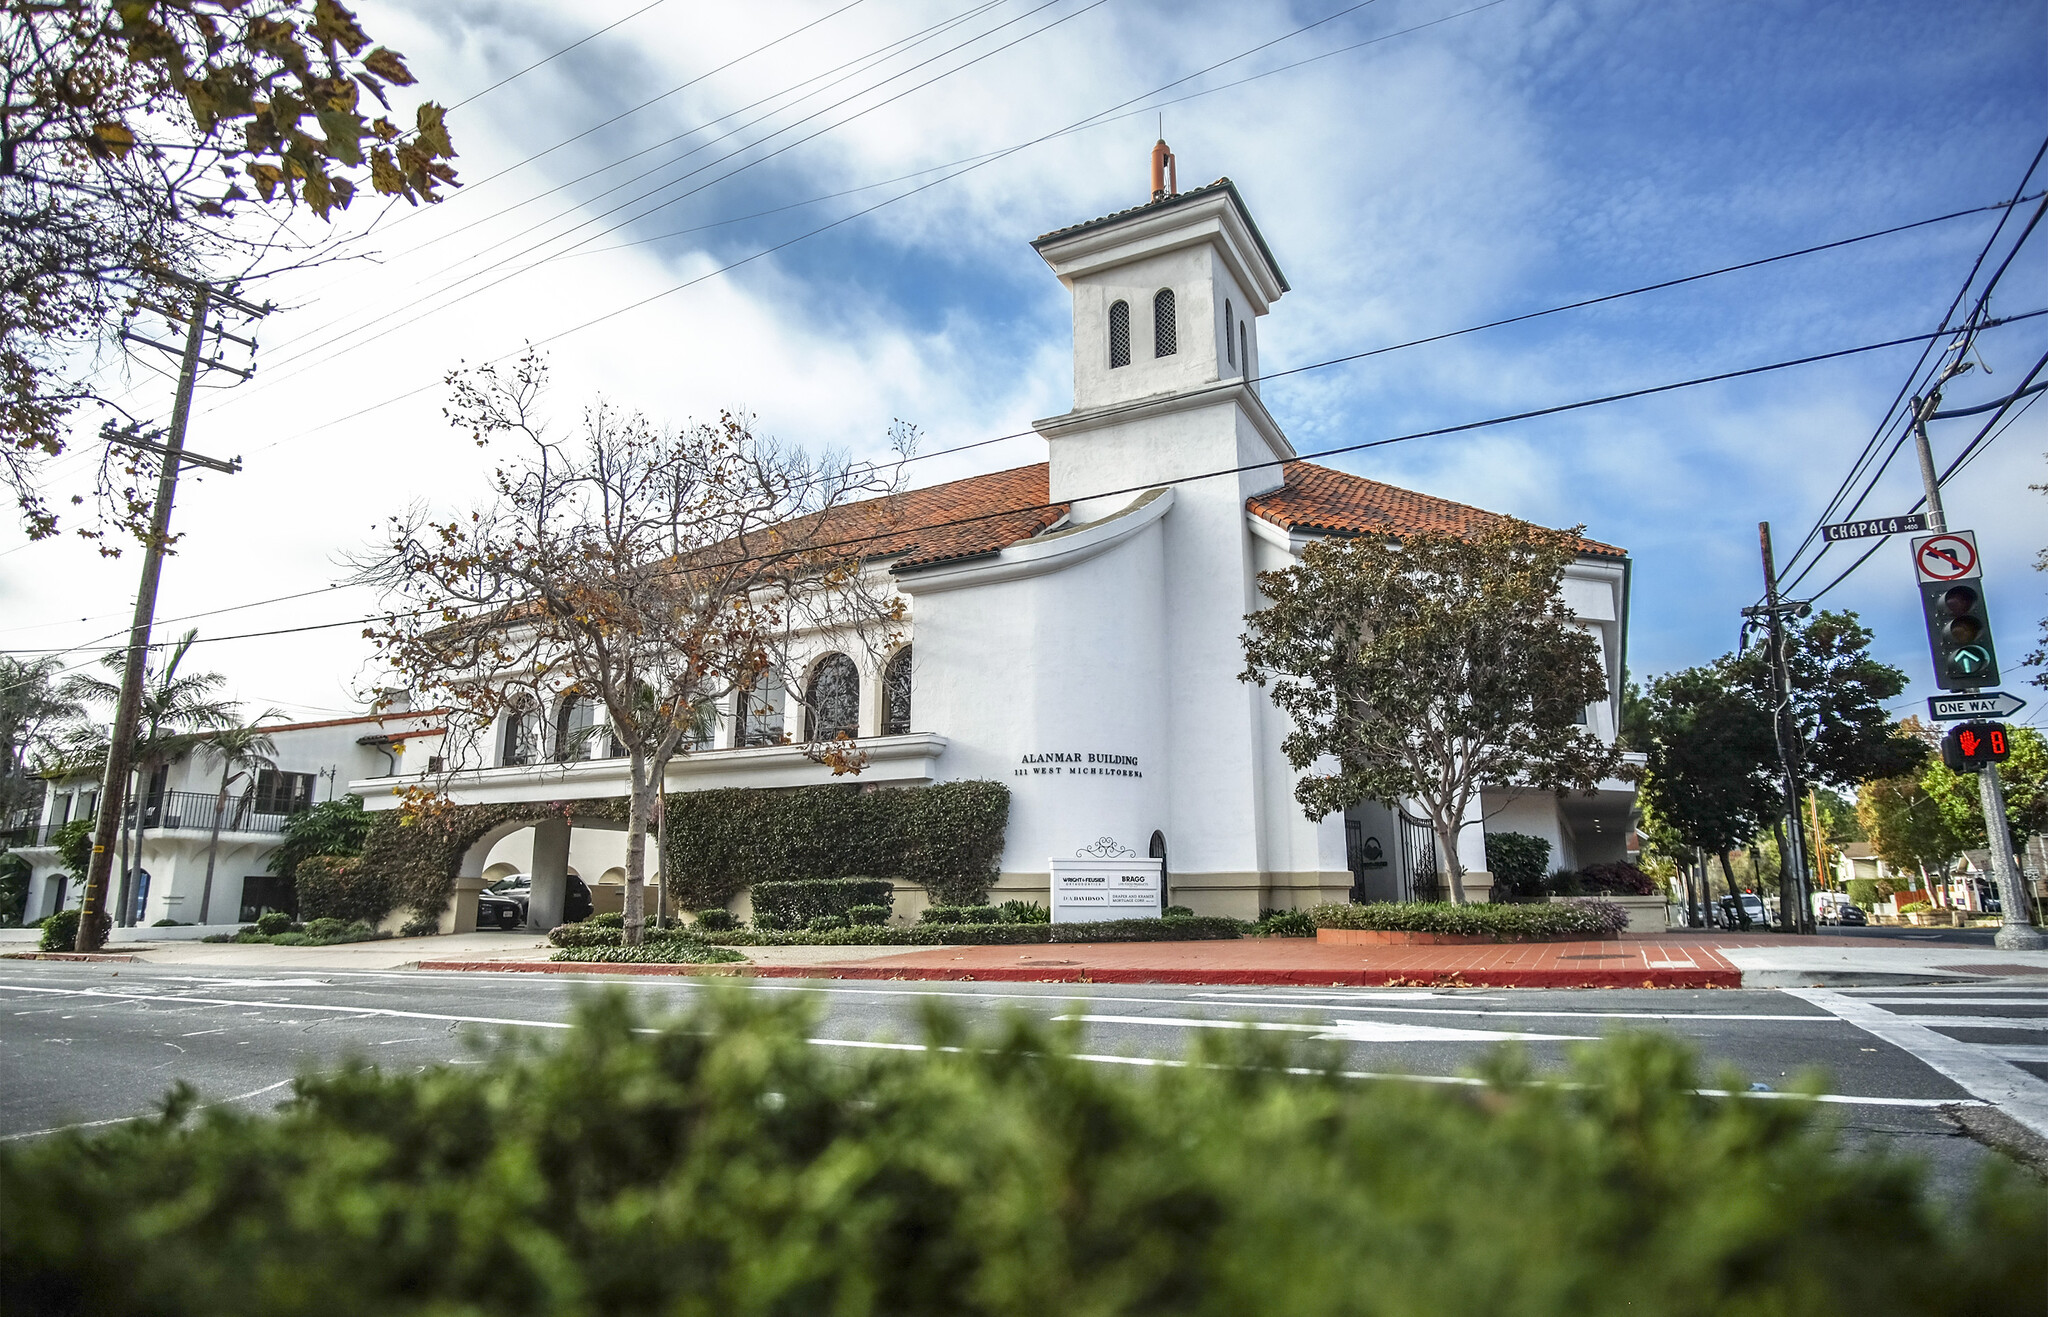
946,838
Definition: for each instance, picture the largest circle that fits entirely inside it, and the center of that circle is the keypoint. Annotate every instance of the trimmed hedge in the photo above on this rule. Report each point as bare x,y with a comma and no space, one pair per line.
945,838
341,887
586,934
1196,928
1588,918
796,904
661,951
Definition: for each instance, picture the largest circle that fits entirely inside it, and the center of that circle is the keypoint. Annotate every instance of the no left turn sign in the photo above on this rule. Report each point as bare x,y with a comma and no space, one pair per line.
1946,557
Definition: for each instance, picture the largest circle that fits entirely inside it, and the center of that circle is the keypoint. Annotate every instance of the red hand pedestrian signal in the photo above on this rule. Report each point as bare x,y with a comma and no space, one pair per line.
1970,746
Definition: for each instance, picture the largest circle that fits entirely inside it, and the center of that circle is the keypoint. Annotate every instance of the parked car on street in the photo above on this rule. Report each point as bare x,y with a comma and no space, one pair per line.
576,902
1851,916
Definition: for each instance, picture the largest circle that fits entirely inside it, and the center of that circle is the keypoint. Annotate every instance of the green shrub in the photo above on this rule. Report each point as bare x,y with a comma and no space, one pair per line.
332,828
718,918
423,924
1591,918
1178,928
589,933
796,904
728,1165
1285,923
828,923
272,922
1023,912
1916,907
940,914
1619,878
663,951
868,916
60,931
609,919
768,921
342,887
1178,912
324,927
1516,860
1863,892
962,914
172,923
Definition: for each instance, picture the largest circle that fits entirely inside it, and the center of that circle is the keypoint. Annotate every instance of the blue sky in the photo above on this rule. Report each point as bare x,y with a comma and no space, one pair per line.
1498,161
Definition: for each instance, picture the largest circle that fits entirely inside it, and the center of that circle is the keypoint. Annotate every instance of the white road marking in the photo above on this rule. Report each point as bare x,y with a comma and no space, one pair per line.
123,1120
1976,1068
1350,1031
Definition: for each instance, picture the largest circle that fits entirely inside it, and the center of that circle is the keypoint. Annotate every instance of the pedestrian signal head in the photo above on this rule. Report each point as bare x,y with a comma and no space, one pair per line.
1970,746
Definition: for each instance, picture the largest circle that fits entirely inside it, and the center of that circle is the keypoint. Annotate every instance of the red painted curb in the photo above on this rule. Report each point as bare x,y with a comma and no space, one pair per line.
1369,978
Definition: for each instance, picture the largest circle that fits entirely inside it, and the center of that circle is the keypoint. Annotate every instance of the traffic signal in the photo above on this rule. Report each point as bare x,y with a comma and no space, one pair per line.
1959,633
1970,746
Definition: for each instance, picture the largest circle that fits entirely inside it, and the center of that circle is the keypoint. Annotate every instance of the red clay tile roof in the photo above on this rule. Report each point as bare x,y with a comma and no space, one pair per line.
913,527
1316,498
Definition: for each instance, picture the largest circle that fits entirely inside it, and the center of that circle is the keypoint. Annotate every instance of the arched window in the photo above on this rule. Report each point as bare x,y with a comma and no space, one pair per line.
576,731
832,703
896,694
761,712
519,740
1244,347
1165,338
1157,850
1119,334
1229,343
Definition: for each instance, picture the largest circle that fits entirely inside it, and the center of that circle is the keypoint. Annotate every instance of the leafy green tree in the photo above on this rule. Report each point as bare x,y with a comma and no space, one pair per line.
133,134
242,751
14,875
1905,821
334,827
722,1162
1430,668
1839,693
1712,757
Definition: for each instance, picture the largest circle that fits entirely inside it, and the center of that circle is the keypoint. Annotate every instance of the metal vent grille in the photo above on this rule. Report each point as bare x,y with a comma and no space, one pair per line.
1165,340
1119,334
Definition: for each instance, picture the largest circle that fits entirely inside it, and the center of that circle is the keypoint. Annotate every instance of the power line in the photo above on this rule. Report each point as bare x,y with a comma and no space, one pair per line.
1885,421
1266,464
383,316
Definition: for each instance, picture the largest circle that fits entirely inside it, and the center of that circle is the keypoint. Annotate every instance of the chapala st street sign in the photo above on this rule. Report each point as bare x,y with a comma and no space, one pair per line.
1869,526
1979,704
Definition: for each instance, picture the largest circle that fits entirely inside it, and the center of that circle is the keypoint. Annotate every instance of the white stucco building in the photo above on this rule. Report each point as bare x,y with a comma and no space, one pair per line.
1073,626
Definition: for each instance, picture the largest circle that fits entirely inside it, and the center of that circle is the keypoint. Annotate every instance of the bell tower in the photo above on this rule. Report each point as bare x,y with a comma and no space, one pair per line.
1167,298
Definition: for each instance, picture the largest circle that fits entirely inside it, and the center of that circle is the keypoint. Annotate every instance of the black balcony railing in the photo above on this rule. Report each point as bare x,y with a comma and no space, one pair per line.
185,811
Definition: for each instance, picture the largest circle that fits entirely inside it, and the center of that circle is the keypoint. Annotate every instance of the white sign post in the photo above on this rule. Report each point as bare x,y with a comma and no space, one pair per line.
1090,890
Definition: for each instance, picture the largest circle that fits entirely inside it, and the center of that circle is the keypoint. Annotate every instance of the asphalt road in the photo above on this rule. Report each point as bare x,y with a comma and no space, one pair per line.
96,1044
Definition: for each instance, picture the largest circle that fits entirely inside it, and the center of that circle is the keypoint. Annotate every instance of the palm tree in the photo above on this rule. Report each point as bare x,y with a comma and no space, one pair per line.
174,709
241,751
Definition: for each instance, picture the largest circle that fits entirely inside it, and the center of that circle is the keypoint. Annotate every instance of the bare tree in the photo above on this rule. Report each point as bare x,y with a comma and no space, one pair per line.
658,574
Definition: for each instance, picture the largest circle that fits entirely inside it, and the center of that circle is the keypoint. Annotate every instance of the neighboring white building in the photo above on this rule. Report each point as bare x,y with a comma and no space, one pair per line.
314,761
1073,626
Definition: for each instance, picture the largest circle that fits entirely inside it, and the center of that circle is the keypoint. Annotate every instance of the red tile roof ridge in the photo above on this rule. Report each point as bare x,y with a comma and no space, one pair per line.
1321,498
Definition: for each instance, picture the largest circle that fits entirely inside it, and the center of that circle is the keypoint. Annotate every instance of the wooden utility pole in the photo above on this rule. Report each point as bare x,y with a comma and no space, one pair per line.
1800,917
128,711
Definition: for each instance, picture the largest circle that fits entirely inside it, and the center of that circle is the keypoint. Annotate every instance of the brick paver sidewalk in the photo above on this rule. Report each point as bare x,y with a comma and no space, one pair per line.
1676,959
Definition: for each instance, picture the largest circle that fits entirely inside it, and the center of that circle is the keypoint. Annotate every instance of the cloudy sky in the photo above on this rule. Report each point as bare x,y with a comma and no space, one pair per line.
820,213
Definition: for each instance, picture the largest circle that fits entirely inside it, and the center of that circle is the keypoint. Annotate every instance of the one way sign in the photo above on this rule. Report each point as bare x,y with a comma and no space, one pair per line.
1976,704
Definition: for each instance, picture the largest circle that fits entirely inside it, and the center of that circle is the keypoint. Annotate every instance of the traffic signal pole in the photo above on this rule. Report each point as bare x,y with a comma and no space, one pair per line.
2016,931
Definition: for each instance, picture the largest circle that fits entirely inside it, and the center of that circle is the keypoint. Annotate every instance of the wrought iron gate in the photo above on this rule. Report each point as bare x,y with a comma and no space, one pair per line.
1420,880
